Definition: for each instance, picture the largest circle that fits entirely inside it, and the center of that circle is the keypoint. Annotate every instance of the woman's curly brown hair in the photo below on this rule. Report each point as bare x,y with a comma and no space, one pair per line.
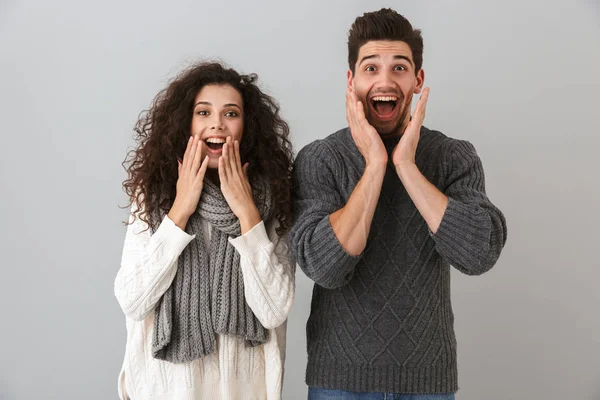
162,133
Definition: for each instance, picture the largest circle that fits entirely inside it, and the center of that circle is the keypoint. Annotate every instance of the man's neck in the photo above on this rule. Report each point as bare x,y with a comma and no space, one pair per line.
397,133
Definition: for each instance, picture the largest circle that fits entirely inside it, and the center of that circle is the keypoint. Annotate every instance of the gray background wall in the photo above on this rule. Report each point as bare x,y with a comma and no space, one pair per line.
519,79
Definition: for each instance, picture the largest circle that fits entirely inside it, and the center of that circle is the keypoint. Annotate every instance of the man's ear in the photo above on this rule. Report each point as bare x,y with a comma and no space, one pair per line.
350,77
420,81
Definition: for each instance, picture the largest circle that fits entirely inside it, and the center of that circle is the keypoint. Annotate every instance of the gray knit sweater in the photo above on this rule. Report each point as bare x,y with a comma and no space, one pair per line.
382,321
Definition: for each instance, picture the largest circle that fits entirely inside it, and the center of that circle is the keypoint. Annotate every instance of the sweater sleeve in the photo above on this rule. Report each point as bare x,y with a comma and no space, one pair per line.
472,232
268,272
314,244
148,265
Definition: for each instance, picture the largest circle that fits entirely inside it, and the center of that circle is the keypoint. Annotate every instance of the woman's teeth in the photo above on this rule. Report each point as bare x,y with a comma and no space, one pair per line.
215,140
215,143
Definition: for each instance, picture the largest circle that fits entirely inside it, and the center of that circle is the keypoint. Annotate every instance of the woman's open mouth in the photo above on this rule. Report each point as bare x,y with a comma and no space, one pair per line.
215,144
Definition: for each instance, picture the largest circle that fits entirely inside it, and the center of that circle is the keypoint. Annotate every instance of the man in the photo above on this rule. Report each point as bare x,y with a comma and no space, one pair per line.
383,208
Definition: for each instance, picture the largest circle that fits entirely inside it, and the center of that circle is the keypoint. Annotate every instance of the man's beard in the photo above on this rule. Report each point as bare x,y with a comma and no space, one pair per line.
388,128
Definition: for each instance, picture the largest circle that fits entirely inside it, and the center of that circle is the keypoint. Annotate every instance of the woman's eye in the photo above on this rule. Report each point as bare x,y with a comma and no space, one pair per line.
231,114
202,112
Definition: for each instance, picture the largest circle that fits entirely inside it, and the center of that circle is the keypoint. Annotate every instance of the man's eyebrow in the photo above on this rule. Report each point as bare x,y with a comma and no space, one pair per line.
401,57
396,57
368,58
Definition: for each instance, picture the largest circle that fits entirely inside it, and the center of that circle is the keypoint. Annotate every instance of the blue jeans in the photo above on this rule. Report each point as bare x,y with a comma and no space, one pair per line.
329,394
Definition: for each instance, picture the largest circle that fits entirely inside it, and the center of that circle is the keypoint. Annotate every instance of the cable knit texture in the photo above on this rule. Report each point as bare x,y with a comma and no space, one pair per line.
234,371
382,321
207,294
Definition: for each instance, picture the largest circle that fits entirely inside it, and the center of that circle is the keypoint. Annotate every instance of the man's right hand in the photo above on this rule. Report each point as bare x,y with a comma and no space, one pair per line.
351,224
364,134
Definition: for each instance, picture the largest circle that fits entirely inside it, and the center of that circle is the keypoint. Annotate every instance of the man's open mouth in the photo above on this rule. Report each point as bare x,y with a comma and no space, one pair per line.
384,106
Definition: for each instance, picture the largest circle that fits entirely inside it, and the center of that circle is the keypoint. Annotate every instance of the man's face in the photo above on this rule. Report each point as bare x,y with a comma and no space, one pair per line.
385,81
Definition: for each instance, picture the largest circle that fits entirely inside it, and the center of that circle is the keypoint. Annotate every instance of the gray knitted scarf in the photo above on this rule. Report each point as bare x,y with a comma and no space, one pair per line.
207,293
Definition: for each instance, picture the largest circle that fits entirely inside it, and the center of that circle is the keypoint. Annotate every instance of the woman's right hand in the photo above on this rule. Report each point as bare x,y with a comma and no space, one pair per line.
190,182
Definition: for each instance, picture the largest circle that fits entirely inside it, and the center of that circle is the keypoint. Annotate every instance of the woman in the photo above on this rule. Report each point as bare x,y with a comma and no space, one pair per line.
206,279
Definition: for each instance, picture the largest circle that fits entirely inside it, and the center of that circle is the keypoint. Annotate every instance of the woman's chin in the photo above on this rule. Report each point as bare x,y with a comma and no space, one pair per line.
213,163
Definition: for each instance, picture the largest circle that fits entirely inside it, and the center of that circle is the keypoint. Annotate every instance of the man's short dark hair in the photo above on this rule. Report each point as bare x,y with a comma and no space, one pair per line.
385,24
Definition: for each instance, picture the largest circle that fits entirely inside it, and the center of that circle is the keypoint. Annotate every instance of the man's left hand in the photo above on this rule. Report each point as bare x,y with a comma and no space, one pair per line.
404,152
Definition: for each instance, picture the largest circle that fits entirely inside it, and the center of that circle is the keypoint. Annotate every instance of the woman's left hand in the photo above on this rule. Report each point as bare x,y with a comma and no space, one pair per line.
235,186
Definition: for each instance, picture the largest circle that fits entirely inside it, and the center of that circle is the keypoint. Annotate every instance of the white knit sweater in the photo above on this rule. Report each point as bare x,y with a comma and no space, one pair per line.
233,372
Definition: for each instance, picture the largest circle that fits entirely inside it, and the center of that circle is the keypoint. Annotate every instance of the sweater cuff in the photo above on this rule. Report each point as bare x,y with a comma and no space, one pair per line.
338,263
463,232
171,236
252,241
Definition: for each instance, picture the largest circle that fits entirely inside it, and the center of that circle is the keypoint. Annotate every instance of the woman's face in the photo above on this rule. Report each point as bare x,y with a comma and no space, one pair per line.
218,113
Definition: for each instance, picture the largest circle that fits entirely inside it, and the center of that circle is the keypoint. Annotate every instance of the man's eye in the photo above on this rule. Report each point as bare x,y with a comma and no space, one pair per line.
400,68
370,68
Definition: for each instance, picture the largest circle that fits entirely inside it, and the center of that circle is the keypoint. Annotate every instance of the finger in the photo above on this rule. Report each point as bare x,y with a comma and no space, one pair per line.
348,111
347,102
204,149
235,152
229,160
424,98
352,100
245,169
225,153
358,110
361,118
198,156
187,152
421,106
224,160
192,154
425,94
238,158
222,174
203,168
231,152
351,111
225,156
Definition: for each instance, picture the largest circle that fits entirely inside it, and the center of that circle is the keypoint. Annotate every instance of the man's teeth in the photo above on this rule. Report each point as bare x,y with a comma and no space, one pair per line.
384,98
215,140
